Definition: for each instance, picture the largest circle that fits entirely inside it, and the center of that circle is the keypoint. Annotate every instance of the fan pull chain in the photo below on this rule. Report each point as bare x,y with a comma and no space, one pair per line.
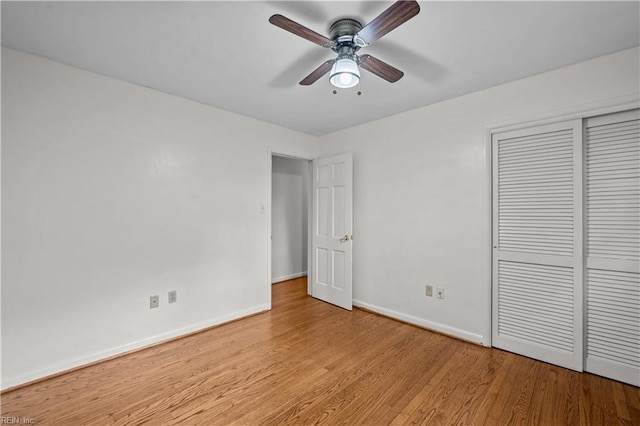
359,92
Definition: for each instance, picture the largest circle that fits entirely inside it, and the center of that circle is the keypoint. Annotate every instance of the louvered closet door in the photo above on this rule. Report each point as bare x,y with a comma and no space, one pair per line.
613,246
537,255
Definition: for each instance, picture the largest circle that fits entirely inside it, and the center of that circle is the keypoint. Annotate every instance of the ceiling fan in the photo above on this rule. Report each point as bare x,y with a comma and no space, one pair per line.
347,37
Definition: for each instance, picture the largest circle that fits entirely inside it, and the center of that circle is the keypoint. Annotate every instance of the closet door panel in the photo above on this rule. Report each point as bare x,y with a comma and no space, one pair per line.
612,177
537,203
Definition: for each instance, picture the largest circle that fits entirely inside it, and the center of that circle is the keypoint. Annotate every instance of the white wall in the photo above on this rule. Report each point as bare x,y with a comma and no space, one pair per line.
289,229
112,193
421,204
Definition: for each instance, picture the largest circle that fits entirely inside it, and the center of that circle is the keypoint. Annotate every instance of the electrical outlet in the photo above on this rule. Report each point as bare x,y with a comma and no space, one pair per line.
173,296
440,293
154,302
428,290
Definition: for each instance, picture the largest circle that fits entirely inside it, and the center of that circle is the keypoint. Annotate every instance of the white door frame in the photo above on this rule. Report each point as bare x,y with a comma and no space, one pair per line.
270,154
605,106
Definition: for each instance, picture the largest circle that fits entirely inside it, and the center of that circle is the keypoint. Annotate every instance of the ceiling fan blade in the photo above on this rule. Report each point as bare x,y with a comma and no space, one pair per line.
380,68
396,15
299,30
317,73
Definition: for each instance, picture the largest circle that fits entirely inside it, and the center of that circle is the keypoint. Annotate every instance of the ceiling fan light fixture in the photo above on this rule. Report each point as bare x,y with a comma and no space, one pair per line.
344,73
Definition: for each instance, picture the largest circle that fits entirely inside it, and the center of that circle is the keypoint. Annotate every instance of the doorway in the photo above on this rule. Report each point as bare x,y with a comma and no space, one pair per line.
290,208
289,218
328,195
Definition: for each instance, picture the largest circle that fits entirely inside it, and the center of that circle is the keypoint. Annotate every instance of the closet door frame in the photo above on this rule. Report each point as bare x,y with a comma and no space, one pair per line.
582,111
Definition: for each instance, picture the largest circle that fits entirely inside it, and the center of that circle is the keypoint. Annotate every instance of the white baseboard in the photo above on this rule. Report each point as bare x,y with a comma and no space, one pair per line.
61,367
288,277
423,323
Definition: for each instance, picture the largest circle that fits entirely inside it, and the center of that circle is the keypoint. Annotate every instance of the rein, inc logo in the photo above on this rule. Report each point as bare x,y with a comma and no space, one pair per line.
7,420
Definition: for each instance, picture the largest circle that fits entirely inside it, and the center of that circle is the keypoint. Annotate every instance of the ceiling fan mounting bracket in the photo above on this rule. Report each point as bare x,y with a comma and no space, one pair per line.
344,27
342,34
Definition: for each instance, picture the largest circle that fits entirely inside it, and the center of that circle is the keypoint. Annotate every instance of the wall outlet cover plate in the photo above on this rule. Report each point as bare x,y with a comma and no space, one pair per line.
154,302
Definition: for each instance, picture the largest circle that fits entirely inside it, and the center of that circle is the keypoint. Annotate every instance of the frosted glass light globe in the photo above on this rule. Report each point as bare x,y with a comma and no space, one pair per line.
345,73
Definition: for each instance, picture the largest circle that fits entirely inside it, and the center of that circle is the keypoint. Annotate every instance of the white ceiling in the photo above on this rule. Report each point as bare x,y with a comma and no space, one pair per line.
226,54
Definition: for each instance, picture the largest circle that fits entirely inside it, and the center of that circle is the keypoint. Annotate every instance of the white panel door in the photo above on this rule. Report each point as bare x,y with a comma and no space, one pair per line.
537,240
332,230
613,246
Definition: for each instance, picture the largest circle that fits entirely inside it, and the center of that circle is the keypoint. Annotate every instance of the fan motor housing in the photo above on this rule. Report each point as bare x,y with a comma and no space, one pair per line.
344,27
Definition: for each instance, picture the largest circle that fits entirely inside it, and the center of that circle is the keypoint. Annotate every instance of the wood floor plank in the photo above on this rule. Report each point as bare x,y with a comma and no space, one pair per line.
445,387
516,408
488,408
399,388
475,387
308,362
355,375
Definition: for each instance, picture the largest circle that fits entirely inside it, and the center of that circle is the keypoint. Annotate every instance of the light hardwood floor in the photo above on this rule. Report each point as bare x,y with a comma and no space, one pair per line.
307,362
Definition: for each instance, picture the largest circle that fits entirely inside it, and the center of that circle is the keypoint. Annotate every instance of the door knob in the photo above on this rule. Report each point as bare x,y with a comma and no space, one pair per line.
346,237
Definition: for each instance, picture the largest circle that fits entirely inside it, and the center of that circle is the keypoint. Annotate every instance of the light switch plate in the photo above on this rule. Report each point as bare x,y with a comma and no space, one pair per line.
428,290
